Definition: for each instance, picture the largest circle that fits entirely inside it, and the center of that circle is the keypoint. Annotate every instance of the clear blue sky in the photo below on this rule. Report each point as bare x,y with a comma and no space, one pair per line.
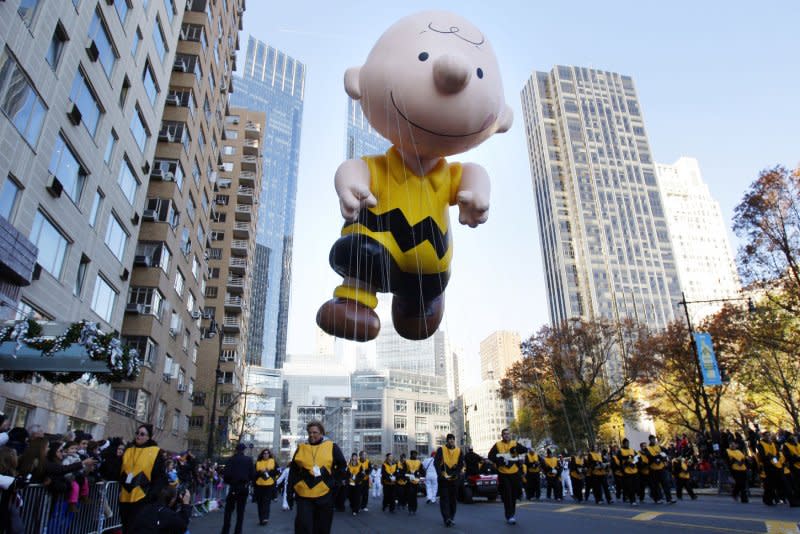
717,80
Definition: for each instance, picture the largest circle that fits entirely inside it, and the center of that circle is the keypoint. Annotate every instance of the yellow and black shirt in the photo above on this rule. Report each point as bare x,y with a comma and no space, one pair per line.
266,470
552,468
142,474
315,467
505,467
736,460
449,463
627,460
655,458
414,467
388,474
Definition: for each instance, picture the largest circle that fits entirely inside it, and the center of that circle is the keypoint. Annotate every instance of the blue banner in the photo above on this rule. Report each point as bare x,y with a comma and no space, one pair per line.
708,360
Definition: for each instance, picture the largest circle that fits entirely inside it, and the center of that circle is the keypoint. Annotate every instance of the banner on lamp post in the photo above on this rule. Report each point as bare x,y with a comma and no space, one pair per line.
708,360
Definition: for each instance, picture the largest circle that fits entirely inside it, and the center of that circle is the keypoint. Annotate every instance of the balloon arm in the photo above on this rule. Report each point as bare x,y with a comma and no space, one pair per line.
352,182
473,195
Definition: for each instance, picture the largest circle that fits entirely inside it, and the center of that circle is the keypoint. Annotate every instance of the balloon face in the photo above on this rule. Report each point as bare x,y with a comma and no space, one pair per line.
432,82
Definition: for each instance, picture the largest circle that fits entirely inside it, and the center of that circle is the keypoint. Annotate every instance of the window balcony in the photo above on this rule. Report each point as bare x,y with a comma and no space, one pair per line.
247,178
252,130
238,265
239,247
244,195
244,213
249,163
232,324
241,230
236,284
234,304
250,147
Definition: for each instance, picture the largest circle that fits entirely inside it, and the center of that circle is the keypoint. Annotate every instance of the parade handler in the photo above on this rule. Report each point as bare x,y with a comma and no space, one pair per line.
431,85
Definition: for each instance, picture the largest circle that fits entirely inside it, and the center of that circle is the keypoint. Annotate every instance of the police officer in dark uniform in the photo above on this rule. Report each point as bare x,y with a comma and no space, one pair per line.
239,471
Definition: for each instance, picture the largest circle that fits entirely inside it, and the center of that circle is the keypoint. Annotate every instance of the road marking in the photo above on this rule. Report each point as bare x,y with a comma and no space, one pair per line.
782,527
569,508
646,516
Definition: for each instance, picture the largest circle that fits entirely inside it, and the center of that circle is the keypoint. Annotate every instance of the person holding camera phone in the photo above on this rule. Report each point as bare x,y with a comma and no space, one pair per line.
168,515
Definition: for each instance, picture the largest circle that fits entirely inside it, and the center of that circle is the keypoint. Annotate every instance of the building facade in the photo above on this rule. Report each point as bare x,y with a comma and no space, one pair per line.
499,351
170,270
398,412
361,138
234,220
486,413
274,83
703,254
603,232
82,90
264,405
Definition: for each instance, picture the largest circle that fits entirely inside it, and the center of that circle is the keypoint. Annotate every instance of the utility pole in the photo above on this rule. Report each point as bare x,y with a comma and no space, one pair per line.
214,330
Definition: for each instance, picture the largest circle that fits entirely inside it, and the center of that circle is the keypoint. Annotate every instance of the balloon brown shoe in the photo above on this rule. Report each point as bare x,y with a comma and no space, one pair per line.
417,320
348,319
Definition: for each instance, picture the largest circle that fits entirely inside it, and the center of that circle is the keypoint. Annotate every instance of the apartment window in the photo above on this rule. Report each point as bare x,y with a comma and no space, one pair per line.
196,421
231,134
122,8
176,421
400,406
80,278
104,299
163,168
149,297
139,129
26,10
137,38
145,347
8,197
143,405
150,86
51,242
153,254
86,101
229,150
164,209
127,181
123,401
123,92
179,282
190,207
110,144
227,378
116,236
399,422
57,43
169,7
195,267
96,205
99,34
189,302
19,100
199,399
212,292
159,40
161,415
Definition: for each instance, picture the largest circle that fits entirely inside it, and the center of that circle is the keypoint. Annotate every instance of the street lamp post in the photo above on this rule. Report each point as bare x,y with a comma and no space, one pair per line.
214,330
685,304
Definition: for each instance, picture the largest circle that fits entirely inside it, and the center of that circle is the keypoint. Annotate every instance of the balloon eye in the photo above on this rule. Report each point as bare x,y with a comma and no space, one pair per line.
480,72
423,56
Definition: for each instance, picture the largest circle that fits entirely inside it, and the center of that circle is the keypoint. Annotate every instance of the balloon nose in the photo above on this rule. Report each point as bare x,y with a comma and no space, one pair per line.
451,74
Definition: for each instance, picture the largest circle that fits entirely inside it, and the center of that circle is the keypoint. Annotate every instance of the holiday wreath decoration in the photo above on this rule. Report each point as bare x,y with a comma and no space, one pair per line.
123,361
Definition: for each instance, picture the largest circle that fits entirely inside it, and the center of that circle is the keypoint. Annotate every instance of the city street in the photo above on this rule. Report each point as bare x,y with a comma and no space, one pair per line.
707,514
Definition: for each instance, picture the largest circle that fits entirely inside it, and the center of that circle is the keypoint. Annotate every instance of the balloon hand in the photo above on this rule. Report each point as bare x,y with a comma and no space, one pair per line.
473,210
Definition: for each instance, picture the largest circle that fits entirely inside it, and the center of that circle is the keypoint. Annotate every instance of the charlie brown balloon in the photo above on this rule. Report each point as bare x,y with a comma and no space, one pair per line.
431,85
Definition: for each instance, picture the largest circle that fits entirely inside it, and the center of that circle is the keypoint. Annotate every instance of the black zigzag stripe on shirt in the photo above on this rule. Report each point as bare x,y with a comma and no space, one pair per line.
406,236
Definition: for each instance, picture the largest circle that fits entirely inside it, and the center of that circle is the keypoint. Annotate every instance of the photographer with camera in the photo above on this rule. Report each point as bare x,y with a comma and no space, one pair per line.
168,515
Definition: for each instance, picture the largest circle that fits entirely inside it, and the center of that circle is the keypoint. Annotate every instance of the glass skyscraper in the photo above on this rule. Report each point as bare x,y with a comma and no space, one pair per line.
604,238
362,140
274,83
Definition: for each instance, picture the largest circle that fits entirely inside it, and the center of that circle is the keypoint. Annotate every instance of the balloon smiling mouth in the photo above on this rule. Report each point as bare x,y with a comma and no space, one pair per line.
486,123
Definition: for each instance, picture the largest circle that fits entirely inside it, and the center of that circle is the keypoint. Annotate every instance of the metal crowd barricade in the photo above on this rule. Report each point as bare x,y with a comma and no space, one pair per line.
99,514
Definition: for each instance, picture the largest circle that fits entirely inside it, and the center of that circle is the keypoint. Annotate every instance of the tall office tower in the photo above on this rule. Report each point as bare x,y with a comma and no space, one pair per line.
230,260
362,140
703,253
82,89
453,371
441,348
264,407
274,83
602,227
163,310
499,351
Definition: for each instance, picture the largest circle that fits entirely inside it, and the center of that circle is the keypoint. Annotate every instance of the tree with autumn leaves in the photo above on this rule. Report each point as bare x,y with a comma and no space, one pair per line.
573,378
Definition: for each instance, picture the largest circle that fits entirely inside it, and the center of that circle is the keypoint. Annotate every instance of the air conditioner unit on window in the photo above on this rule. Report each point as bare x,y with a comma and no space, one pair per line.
74,115
168,177
180,65
134,308
142,261
156,174
181,388
173,100
54,187
197,315
149,215
173,332
92,51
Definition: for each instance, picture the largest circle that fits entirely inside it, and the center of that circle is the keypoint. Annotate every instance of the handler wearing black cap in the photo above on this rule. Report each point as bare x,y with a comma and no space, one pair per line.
239,471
